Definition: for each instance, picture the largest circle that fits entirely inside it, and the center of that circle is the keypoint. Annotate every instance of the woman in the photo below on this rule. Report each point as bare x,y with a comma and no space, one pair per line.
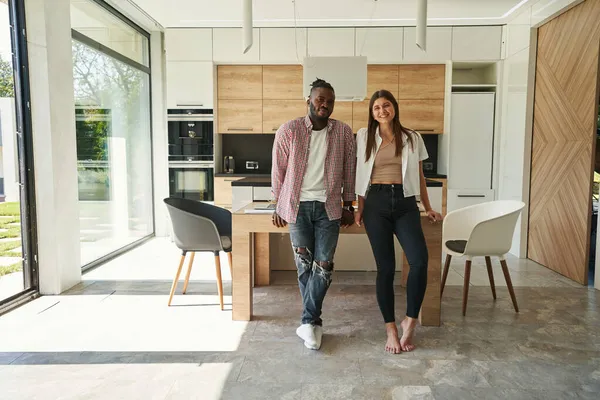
389,175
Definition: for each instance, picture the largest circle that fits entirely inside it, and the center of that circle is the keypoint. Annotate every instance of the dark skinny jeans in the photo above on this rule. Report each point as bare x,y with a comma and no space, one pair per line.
387,213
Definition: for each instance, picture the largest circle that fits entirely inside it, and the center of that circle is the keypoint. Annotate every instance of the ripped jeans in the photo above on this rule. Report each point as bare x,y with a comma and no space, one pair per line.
314,239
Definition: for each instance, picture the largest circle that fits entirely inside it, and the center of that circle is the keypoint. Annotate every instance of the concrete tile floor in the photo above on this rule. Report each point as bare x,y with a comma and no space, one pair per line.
113,337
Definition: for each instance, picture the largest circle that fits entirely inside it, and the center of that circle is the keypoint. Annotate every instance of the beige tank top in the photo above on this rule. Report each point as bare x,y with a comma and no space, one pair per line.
387,168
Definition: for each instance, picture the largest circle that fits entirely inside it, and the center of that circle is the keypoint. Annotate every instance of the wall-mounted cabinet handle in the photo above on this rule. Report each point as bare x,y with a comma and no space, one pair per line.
190,105
240,129
471,195
425,130
275,129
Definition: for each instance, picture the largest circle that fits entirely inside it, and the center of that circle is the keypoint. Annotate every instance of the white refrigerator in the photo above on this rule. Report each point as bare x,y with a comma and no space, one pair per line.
471,144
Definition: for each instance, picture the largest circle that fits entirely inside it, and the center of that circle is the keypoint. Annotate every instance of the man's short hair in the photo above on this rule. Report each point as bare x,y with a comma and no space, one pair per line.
320,83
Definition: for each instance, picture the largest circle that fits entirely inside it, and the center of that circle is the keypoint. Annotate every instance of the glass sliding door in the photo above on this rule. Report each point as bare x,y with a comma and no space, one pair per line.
112,115
18,269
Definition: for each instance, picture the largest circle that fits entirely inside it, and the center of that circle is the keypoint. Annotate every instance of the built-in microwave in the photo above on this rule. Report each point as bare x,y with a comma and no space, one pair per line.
191,134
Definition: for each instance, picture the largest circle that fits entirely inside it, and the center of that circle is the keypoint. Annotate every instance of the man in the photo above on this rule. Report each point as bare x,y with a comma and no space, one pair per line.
314,160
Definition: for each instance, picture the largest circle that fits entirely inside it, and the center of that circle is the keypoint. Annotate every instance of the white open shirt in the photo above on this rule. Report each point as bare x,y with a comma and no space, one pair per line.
411,156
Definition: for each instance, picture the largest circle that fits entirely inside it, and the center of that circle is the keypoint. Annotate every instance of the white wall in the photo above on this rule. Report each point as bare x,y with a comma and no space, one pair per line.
160,149
54,143
517,105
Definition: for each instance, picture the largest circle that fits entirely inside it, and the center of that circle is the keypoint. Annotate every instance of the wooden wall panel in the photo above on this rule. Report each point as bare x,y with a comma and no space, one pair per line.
564,136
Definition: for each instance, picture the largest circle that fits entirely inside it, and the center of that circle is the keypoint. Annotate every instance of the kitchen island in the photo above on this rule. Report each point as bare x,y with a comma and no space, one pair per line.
353,251
252,265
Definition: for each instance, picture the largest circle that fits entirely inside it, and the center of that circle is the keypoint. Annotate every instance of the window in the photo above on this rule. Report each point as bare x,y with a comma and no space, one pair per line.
112,110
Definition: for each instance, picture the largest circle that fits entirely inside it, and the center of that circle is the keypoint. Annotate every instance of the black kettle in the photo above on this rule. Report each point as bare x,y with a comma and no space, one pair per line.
228,165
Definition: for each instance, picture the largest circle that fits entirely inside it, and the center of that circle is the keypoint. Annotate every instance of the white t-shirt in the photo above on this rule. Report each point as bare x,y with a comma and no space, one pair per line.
411,156
313,184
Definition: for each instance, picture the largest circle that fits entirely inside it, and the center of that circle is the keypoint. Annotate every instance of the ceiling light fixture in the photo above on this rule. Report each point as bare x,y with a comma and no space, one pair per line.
246,25
422,24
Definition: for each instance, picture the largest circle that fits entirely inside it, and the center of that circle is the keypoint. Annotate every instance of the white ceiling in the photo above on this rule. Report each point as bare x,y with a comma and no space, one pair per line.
227,13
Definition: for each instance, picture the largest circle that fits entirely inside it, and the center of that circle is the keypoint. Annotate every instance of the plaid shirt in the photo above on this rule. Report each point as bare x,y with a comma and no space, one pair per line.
290,156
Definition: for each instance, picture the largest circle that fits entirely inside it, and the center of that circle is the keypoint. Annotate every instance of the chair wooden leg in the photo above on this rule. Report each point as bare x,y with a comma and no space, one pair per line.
466,286
219,280
189,271
509,284
445,275
488,262
230,258
174,286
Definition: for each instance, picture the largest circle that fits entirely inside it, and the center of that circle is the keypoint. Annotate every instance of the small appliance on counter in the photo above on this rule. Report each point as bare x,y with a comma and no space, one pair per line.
228,165
252,165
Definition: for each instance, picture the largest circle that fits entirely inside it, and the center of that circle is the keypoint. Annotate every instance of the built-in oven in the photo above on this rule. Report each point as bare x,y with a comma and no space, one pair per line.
191,134
192,180
191,154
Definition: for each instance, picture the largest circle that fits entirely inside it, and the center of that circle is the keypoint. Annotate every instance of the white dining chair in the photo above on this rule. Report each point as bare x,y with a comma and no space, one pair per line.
481,230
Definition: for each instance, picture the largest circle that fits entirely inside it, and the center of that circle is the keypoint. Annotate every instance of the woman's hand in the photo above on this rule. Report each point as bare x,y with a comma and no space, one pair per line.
434,216
358,217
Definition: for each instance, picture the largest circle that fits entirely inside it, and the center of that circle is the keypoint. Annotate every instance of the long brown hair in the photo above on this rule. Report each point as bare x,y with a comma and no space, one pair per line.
397,128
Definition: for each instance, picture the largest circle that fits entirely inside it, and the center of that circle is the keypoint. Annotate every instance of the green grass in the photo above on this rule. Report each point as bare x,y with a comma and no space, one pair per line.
5,248
9,269
10,209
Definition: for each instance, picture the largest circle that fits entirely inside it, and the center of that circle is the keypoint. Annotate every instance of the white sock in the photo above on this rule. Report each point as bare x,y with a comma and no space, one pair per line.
306,332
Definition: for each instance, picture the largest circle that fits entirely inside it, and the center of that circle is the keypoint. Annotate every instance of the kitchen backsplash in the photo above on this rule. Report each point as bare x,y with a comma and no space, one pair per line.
258,147
431,143
249,147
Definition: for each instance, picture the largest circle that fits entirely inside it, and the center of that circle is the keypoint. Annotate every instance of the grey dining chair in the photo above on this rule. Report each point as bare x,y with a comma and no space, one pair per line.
199,227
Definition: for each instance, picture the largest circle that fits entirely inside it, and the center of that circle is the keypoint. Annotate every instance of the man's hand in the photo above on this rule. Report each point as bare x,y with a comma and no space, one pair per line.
347,218
278,221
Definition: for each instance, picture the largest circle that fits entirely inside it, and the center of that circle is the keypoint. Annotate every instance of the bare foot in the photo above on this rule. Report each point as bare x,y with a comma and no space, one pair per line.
393,342
408,326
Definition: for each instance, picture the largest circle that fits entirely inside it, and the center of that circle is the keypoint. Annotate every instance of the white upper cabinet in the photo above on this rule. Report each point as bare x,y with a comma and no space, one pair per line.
380,45
282,45
190,84
228,46
331,42
476,43
439,45
189,44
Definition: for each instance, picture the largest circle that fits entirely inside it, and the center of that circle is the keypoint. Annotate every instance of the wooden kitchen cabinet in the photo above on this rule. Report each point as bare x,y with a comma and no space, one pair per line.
277,112
240,82
258,99
422,81
360,115
223,190
425,116
282,82
342,111
240,116
382,77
